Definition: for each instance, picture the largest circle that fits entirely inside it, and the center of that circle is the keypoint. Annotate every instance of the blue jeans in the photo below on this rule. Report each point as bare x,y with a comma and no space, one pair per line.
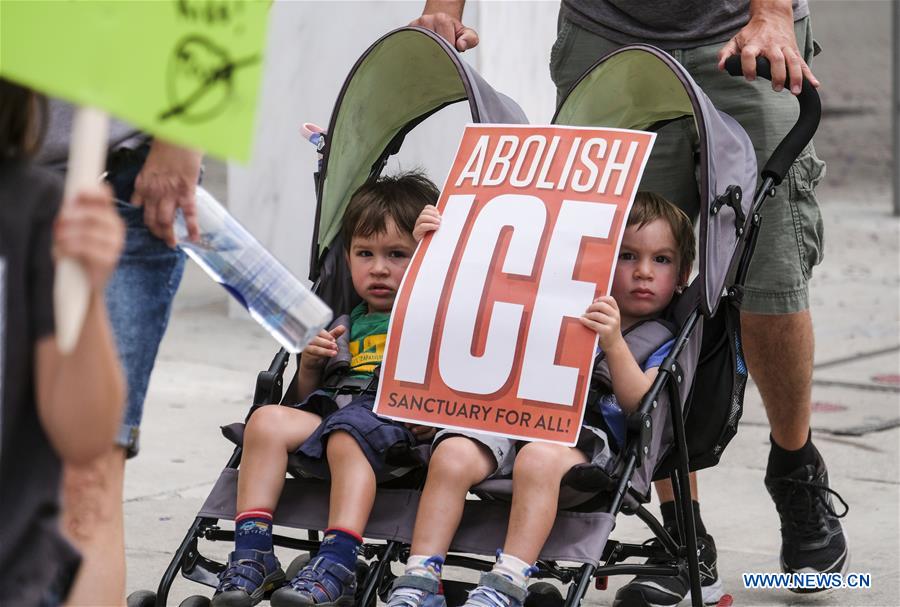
139,298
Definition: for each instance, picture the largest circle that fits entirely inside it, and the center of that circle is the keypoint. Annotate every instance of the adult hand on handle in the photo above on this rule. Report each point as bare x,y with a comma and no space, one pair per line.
444,17
770,34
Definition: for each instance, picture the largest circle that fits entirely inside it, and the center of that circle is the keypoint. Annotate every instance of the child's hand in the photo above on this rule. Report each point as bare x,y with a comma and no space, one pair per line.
602,316
321,348
89,230
429,220
422,433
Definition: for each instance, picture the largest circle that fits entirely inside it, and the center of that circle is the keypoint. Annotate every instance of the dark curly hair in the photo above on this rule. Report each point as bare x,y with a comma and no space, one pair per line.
399,197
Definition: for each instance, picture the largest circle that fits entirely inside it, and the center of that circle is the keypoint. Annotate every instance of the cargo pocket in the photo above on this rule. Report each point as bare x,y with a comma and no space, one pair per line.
559,51
806,172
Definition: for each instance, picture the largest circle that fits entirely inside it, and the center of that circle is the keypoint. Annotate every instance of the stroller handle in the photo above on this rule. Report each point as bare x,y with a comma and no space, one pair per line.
800,134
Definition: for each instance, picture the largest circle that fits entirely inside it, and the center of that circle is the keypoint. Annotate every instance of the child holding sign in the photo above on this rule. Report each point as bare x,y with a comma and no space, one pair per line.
348,443
54,408
654,262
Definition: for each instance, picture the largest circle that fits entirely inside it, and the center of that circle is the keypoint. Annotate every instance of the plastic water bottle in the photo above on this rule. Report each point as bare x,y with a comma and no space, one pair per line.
290,312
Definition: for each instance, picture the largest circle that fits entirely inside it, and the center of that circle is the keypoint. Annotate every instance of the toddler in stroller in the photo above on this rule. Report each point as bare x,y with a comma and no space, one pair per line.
655,260
334,438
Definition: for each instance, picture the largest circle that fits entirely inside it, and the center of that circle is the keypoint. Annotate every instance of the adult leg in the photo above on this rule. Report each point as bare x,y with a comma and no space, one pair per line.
92,520
777,327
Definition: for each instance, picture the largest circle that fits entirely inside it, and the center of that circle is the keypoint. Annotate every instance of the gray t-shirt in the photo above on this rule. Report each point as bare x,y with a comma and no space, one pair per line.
665,23
54,150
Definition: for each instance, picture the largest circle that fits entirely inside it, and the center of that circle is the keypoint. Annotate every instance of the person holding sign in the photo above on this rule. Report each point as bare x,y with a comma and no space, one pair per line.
151,180
342,441
44,394
654,263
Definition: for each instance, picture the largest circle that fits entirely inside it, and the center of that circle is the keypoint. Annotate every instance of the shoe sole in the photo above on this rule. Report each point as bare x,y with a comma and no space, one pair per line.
341,602
273,581
710,595
845,567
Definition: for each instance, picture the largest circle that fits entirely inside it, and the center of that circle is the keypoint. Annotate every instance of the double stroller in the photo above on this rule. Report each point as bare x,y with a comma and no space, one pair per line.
683,423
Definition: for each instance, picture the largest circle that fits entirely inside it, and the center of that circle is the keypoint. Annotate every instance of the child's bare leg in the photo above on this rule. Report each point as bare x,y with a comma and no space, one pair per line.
457,464
330,577
538,471
352,483
272,432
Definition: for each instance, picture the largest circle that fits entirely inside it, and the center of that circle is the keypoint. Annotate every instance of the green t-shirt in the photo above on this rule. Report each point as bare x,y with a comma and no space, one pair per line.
368,334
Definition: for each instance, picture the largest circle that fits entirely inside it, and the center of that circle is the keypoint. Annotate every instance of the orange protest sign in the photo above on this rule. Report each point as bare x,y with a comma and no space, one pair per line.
484,332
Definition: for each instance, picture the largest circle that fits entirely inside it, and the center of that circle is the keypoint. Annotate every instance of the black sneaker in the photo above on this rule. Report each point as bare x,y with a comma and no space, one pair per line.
812,540
665,590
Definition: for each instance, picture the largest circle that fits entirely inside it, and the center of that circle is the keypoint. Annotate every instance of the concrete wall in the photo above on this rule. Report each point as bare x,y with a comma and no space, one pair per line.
313,45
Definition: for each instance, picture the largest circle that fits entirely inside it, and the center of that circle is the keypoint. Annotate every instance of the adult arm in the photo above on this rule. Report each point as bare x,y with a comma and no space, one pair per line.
770,33
167,182
444,17
80,395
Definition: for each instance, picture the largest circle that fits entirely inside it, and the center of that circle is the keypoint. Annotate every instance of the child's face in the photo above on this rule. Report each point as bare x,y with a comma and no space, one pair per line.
377,264
647,271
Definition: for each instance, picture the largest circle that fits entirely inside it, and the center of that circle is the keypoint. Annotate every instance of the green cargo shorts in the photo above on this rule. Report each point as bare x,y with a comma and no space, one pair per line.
791,239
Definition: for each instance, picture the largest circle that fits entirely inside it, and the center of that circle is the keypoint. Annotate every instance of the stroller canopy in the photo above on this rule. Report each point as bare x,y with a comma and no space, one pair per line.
641,87
401,80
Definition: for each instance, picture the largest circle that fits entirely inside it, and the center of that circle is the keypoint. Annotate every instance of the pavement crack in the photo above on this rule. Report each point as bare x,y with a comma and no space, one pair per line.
169,492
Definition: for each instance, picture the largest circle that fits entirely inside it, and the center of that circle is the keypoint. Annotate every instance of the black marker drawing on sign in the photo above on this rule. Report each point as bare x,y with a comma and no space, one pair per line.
200,79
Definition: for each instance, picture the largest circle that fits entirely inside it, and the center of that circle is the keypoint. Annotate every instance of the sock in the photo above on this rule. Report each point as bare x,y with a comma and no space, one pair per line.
516,570
425,566
782,462
253,530
667,509
340,546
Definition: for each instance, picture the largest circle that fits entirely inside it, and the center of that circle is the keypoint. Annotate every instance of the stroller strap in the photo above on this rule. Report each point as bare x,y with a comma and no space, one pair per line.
643,340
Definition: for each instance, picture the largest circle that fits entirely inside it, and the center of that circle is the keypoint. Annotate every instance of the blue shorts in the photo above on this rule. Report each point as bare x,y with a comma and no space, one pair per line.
375,435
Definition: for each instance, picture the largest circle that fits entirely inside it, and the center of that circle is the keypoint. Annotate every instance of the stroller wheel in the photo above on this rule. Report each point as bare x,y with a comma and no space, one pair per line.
141,598
296,565
362,575
362,572
195,601
543,594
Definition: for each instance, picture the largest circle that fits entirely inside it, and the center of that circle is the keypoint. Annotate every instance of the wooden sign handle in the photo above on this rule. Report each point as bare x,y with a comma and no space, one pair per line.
87,159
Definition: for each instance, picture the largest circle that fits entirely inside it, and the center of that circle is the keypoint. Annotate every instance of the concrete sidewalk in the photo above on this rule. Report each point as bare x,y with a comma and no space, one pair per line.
208,363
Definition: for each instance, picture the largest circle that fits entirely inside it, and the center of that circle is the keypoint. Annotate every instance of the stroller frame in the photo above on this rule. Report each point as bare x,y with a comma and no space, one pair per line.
377,576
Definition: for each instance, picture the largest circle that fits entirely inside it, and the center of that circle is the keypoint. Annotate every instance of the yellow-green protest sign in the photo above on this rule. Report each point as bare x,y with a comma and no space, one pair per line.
185,70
